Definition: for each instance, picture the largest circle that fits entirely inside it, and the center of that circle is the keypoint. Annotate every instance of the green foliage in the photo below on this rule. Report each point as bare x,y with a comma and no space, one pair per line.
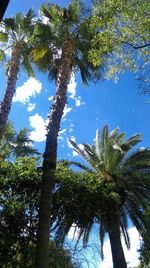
2,55
124,28
19,200
3,37
20,184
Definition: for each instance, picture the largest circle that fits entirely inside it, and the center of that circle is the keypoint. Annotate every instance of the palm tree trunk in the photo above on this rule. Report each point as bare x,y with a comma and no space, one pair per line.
3,7
5,104
50,156
116,246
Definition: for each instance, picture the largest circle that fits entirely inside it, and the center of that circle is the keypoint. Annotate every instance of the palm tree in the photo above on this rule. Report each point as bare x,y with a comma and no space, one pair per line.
15,145
115,185
3,7
23,145
16,35
62,46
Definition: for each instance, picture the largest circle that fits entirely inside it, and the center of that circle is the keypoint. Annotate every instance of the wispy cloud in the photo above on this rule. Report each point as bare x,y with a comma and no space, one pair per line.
66,111
50,98
30,88
71,128
61,134
78,101
31,106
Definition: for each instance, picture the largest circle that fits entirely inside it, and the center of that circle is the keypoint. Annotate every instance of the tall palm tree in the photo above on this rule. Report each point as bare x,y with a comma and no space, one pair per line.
3,7
15,35
62,48
115,185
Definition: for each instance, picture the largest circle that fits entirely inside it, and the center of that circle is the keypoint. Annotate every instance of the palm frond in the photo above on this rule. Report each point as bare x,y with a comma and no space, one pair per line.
98,145
26,63
52,12
138,160
86,233
82,166
124,227
79,151
131,142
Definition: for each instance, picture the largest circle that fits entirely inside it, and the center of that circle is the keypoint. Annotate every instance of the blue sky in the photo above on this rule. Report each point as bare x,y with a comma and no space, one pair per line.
116,104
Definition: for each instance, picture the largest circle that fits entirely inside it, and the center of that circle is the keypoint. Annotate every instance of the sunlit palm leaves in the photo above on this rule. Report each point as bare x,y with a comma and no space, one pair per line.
62,24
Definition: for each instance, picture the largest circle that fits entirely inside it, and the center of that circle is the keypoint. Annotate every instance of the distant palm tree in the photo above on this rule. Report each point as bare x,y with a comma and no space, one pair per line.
3,7
23,145
15,145
62,46
16,35
114,186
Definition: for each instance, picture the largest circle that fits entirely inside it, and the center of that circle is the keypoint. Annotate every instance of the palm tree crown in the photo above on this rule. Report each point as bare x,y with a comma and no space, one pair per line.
64,26
116,183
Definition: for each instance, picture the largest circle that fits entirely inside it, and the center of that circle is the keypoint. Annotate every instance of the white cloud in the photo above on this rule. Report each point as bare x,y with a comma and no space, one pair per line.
29,89
78,101
142,148
73,232
66,111
71,128
37,122
44,19
50,98
61,134
31,107
72,90
130,255
72,86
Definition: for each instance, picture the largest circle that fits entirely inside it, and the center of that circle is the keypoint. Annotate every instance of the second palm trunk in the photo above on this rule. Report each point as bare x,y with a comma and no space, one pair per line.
50,154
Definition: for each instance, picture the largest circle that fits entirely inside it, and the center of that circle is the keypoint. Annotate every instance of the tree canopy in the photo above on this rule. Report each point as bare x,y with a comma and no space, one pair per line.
19,201
124,27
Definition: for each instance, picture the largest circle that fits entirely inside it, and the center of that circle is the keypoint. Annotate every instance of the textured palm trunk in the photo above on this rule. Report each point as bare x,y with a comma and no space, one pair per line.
116,246
50,156
6,103
3,7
